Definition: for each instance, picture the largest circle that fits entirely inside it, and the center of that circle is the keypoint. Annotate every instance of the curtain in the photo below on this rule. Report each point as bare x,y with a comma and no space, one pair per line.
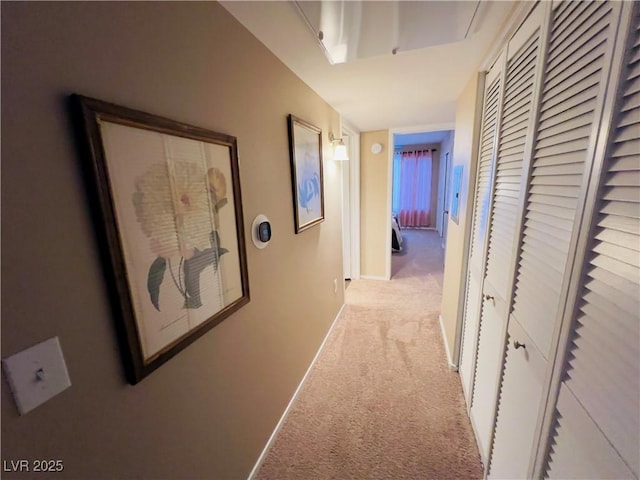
411,202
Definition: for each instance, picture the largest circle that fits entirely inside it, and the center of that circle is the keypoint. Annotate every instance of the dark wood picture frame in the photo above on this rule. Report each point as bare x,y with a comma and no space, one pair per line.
307,180
146,175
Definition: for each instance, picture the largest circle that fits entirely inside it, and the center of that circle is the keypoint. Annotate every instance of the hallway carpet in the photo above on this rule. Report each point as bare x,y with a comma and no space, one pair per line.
380,402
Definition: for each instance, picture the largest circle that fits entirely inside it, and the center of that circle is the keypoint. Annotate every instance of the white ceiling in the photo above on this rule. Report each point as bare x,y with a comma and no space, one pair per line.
416,87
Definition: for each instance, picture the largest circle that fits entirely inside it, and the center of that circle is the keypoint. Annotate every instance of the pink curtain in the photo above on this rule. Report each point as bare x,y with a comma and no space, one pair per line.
414,189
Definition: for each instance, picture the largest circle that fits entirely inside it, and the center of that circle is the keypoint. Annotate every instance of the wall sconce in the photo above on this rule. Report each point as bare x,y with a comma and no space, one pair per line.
339,149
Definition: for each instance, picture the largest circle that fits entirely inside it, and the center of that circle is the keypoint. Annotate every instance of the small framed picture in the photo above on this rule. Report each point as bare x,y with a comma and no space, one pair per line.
305,147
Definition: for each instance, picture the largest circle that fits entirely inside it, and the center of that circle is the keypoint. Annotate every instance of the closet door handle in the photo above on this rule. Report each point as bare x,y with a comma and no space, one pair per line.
488,297
518,345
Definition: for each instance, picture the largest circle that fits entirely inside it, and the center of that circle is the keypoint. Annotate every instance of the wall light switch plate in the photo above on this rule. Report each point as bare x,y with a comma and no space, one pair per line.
36,374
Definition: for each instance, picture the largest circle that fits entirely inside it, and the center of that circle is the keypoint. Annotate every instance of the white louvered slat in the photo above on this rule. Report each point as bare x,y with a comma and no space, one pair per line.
566,202
576,122
542,229
573,82
564,138
602,367
551,118
629,305
618,237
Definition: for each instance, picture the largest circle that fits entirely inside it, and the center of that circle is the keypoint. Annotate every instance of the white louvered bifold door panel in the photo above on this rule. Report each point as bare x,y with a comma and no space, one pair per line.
603,359
573,86
482,199
515,128
524,367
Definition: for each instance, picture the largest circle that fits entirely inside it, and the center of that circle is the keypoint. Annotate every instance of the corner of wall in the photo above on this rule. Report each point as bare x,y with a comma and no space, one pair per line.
374,220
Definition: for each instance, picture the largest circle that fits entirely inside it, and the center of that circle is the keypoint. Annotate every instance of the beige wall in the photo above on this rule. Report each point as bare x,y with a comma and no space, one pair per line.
374,220
465,154
209,411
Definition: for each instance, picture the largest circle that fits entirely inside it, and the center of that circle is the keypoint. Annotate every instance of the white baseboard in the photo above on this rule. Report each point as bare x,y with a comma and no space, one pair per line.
452,366
266,448
373,277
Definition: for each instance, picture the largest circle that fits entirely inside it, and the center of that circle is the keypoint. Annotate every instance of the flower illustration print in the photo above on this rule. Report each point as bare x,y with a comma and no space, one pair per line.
177,208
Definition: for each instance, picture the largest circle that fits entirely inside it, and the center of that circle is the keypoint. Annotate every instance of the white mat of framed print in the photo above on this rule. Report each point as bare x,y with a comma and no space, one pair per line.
305,148
171,213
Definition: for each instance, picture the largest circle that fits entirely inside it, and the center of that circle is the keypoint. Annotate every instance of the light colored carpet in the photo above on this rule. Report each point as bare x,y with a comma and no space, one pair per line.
380,402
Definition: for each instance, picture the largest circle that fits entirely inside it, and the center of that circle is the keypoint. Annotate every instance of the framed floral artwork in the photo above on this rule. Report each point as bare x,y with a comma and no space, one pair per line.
305,148
169,211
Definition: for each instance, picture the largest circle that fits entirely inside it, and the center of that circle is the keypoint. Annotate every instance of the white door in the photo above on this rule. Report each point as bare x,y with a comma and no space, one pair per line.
597,428
571,98
516,130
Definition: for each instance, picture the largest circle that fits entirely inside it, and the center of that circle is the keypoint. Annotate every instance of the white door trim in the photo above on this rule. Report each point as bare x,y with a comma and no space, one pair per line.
354,200
433,127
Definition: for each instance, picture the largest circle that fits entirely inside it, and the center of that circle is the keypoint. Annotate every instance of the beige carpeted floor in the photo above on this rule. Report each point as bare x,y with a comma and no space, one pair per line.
380,402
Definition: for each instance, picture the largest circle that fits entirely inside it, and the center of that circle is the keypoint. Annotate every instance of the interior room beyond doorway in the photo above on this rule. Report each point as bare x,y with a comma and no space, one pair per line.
420,179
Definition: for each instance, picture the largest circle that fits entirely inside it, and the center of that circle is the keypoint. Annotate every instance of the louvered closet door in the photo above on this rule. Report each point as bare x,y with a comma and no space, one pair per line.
515,132
580,34
482,199
602,372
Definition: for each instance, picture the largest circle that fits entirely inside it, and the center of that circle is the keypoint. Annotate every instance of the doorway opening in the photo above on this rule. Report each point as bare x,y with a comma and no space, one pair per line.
420,177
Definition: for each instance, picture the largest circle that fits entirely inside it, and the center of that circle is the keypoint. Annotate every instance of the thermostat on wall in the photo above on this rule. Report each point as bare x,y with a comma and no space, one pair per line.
376,148
261,231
